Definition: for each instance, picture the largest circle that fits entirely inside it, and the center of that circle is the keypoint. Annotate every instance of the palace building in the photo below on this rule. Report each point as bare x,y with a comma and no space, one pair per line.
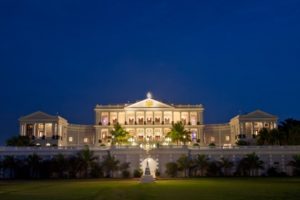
148,121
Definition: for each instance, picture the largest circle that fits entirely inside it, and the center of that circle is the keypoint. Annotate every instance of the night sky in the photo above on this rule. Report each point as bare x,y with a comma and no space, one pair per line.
66,56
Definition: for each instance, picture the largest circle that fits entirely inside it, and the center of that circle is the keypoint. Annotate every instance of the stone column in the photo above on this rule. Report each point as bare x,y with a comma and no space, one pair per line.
34,130
22,129
45,133
53,129
180,117
118,117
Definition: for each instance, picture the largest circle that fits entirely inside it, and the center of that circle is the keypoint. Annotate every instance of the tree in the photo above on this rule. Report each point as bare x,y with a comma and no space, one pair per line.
270,137
276,137
295,163
9,164
250,165
1,169
226,164
96,170
110,164
60,165
19,141
263,137
124,169
179,133
294,136
171,169
184,164
86,158
119,134
33,162
290,131
73,167
214,169
202,163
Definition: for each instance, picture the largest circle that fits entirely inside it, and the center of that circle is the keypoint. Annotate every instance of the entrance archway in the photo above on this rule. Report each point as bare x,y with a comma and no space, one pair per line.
153,165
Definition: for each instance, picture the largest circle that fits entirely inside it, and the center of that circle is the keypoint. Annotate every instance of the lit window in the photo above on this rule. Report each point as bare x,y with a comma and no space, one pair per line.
85,140
227,138
70,139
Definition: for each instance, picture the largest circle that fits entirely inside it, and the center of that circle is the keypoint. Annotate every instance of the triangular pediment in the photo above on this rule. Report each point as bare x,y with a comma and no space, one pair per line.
258,114
149,103
38,116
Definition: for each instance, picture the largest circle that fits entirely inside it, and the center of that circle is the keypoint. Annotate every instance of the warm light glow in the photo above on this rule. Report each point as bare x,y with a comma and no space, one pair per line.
149,95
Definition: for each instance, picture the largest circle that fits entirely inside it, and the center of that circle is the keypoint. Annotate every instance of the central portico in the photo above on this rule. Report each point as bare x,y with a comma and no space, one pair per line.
148,120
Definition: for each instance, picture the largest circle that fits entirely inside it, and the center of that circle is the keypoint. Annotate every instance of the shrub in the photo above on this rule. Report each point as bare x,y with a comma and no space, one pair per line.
242,143
172,169
157,173
125,174
137,173
212,144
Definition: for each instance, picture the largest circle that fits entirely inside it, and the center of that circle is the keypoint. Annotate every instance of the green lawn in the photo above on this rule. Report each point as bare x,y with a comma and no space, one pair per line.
206,188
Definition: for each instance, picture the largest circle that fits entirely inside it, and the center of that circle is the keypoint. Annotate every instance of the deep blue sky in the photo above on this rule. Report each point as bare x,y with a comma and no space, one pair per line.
66,56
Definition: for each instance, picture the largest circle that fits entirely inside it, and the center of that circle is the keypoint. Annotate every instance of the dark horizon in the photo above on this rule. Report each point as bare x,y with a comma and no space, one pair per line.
67,56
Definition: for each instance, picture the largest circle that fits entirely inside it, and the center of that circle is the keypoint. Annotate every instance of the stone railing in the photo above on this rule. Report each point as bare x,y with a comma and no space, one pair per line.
4,149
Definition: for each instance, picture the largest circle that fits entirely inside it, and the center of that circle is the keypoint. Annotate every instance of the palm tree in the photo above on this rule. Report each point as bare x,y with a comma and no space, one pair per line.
9,163
250,165
290,129
263,137
202,162
295,163
85,159
33,162
276,137
119,134
110,164
226,164
184,164
73,167
60,164
179,133
214,168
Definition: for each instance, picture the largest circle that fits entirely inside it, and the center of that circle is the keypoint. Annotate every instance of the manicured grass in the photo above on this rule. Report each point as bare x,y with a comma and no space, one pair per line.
185,189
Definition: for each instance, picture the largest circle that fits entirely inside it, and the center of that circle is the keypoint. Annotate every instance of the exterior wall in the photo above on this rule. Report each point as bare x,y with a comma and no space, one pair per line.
219,134
244,127
273,156
147,120
80,135
45,131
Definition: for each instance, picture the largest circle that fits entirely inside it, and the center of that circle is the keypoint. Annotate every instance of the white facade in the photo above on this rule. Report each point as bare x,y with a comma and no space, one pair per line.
148,121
